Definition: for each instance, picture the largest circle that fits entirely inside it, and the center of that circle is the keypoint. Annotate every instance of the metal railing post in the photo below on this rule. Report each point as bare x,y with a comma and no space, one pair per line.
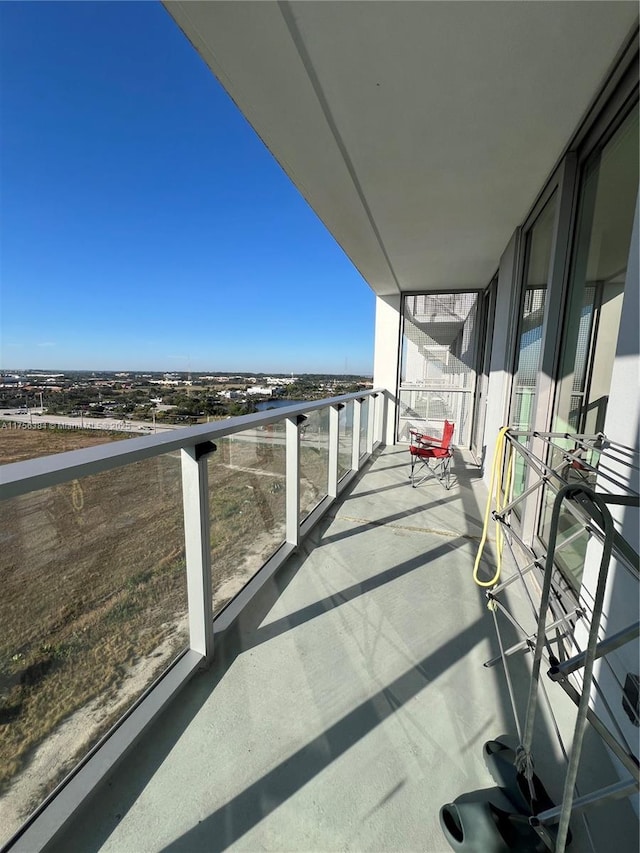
371,424
292,435
355,452
334,425
195,497
381,414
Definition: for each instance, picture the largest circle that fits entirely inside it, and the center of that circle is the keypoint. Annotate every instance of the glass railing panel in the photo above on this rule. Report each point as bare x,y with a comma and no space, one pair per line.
247,506
345,439
364,420
93,608
314,461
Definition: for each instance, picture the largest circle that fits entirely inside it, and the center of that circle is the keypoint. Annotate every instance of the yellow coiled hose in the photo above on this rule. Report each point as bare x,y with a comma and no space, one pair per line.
495,492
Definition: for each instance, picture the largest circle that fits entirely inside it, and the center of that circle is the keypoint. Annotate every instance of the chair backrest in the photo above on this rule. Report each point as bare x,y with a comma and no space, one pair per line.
447,434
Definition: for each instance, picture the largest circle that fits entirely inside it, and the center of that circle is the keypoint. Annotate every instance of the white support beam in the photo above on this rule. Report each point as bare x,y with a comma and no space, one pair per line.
380,402
292,434
386,366
334,425
371,424
501,368
195,496
355,451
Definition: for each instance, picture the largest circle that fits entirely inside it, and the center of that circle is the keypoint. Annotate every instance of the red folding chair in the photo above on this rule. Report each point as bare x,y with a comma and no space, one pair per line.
431,456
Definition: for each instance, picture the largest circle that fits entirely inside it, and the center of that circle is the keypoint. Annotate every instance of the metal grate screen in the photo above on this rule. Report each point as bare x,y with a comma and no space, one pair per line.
438,371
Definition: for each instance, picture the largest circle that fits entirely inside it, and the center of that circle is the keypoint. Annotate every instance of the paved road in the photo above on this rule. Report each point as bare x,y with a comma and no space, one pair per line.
33,418
256,435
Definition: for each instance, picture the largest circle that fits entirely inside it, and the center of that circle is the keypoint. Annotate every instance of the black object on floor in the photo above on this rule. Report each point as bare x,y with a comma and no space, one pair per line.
500,761
474,823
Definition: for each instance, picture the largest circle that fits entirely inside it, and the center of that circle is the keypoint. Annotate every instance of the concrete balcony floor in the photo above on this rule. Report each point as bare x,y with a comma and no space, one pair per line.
349,702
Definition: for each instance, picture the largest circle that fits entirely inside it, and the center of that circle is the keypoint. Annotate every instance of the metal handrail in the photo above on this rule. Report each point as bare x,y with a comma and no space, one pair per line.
18,478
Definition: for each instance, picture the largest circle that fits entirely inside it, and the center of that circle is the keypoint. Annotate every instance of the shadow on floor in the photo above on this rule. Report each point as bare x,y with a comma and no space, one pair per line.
253,804
230,822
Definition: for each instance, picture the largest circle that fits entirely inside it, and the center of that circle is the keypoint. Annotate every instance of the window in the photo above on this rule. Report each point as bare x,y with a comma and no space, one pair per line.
438,372
531,329
605,220
608,191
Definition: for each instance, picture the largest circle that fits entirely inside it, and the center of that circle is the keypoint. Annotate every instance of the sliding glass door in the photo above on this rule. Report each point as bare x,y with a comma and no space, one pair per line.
608,191
438,369
531,329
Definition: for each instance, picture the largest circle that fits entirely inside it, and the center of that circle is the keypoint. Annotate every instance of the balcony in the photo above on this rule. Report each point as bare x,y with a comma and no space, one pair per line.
345,700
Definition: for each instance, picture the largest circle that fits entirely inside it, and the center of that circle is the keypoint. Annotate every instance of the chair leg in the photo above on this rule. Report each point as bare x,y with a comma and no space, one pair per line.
440,469
446,472
428,472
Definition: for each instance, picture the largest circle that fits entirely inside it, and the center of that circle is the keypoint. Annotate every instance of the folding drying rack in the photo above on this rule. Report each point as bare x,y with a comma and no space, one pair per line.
583,474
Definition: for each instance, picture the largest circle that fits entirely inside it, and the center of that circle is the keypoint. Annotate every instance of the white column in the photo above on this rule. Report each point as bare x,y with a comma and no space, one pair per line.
292,435
355,446
371,423
504,331
386,365
195,497
334,418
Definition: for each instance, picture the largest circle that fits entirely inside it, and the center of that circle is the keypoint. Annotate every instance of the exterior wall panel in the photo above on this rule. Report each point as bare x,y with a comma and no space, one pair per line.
622,424
499,388
387,358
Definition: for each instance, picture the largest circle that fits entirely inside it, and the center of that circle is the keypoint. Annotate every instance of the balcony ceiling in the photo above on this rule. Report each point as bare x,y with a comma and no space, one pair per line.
419,132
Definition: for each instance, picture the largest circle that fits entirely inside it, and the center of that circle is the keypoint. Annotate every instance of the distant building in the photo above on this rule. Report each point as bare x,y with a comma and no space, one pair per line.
281,380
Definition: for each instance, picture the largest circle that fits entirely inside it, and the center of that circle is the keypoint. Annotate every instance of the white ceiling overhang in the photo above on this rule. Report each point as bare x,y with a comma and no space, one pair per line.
419,132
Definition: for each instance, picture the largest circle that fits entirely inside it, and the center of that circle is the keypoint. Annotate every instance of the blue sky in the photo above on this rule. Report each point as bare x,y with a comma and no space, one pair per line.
144,224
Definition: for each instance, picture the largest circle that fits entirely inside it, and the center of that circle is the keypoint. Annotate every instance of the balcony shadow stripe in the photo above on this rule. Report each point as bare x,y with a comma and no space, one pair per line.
431,530
387,520
344,596
358,494
233,820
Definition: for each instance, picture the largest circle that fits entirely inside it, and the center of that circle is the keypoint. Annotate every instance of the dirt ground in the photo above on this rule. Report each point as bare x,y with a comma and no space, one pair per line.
94,590
19,444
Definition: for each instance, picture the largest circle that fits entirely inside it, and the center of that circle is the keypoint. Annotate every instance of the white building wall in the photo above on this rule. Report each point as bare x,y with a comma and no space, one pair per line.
499,386
387,358
622,425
